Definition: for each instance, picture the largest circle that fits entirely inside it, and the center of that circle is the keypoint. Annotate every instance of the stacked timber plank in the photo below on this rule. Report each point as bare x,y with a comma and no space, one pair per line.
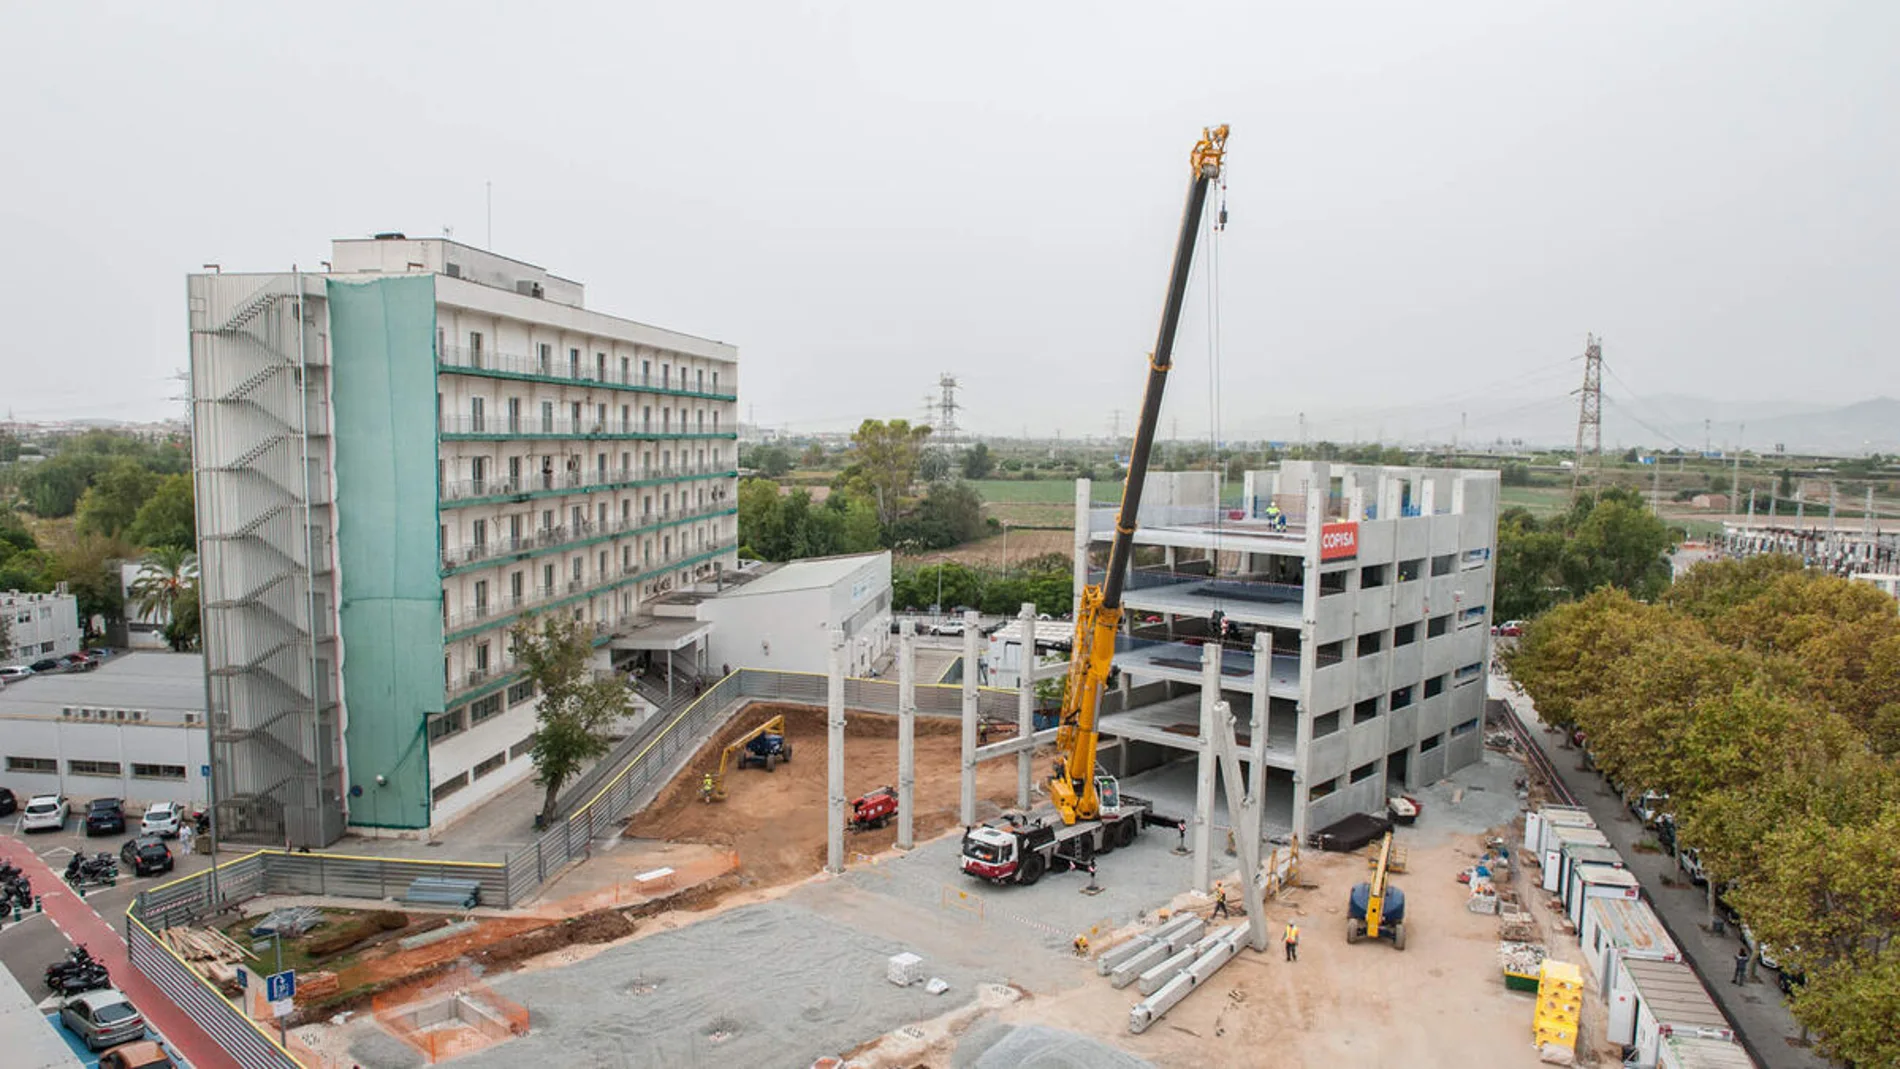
210,951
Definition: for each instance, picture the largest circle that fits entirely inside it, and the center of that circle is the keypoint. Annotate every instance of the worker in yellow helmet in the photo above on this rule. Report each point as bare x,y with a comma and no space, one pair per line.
1081,945
1220,900
1292,940
707,787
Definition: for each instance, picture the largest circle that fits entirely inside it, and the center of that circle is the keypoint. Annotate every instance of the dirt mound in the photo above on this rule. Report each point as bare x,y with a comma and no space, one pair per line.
600,926
776,821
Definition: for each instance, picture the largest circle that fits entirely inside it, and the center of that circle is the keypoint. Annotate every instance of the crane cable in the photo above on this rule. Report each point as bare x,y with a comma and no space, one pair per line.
1216,223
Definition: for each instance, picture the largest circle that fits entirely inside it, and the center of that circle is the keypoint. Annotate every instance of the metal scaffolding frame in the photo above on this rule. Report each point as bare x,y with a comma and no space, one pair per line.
260,448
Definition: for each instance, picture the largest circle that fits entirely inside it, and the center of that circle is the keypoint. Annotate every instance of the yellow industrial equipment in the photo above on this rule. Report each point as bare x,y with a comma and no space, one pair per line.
765,746
1376,909
1073,786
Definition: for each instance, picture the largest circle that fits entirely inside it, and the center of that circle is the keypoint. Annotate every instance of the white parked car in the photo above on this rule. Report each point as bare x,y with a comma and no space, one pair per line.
46,812
14,672
161,820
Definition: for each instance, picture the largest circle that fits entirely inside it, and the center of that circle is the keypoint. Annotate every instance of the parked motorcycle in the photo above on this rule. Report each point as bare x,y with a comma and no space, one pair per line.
78,971
99,868
17,889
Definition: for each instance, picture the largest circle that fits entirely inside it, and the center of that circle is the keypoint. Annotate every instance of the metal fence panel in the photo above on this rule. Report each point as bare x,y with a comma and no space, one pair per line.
245,1041
374,877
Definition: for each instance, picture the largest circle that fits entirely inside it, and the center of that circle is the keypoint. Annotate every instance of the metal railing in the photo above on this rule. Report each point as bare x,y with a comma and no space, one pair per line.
576,480
570,533
509,605
561,367
566,427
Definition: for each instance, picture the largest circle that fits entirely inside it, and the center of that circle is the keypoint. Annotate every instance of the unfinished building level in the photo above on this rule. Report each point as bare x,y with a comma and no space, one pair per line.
1370,586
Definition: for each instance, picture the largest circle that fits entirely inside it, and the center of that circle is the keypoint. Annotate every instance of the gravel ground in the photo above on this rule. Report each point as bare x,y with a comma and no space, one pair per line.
767,985
1138,878
1489,799
999,1046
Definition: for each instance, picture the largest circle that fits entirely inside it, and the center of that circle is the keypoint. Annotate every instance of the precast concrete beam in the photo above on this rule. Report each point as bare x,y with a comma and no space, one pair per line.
1204,770
1026,702
972,631
834,756
906,734
1164,970
1150,956
1226,945
1021,745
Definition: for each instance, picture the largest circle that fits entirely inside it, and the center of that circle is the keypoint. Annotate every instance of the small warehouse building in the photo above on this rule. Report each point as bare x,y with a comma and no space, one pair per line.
39,625
781,616
133,728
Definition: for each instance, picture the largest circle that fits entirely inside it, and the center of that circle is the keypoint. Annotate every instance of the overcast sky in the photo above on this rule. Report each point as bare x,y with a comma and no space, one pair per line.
1429,202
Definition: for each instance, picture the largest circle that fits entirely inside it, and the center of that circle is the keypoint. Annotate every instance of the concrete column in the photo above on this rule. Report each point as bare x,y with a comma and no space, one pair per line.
1204,769
1309,663
1262,717
1026,705
834,757
1081,562
906,733
966,809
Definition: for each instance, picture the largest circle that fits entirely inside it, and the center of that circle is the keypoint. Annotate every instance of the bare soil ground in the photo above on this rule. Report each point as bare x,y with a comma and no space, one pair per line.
1022,546
776,821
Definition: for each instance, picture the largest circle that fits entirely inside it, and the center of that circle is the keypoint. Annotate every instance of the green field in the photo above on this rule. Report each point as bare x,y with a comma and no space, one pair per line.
1540,501
1038,492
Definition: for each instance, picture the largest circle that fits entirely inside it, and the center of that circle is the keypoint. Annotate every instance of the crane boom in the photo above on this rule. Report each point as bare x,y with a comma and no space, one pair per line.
1072,787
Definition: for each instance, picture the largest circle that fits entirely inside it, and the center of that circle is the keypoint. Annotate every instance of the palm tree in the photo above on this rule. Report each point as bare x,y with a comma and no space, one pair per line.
166,575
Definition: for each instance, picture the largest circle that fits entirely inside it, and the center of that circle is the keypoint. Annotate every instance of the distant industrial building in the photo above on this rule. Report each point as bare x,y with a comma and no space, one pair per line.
39,625
132,728
400,459
1373,586
781,616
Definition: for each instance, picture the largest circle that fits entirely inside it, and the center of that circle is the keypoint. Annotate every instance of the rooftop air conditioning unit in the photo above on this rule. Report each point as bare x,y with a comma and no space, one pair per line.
138,714
452,270
67,711
85,714
121,714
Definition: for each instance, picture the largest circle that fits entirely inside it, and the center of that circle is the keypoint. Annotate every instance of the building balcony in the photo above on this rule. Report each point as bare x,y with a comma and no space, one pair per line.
542,484
501,428
567,535
559,370
484,616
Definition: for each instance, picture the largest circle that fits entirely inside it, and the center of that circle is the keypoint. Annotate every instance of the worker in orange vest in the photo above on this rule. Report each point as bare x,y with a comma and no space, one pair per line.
1292,940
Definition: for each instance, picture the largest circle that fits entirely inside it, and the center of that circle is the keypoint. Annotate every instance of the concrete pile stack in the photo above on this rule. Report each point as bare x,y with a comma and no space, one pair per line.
1169,963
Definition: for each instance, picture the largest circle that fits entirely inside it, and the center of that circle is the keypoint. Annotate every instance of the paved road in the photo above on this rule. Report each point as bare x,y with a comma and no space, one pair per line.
96,920
1757,1009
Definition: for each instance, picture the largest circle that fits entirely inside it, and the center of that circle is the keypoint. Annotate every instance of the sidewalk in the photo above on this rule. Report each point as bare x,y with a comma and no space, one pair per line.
82,924
1757,1010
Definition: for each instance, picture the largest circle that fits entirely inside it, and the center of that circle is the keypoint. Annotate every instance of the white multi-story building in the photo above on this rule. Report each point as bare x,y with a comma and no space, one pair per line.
1373,597
398,460
39,626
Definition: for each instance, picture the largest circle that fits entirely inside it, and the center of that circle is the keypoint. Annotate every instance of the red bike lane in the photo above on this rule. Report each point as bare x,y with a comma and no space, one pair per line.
82,924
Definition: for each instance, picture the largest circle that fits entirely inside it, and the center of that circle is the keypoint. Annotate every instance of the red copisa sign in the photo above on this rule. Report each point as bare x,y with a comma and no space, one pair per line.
1338,541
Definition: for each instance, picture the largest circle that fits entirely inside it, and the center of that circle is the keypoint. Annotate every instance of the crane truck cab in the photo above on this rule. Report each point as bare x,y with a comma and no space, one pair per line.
1019,848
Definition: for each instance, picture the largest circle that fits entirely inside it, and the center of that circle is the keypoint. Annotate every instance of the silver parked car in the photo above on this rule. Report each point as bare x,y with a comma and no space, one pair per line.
102,1018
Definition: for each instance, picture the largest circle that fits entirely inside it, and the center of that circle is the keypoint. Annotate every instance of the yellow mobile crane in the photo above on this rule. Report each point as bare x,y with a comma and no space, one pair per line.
1095,817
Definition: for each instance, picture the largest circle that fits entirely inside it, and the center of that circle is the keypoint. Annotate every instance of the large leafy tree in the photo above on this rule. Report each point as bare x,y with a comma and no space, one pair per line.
113,501
167,578
1612,539
576,712
89,566
168,517
884,465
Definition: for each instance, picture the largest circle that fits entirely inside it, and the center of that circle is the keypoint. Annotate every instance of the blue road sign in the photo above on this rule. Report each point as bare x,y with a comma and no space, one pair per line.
205,771
280,986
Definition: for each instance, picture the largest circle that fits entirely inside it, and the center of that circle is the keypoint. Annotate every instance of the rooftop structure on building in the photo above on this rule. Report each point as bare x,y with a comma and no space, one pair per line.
1368,587
399,459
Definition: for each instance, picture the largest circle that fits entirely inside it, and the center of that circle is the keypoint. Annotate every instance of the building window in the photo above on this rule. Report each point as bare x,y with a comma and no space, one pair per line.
1443,565
1371,642
1434,686
1373,575
1321,790
485,709
1465,728
715,387
1327,724
450,787
481,649
547,418
546,358
1365,710
449,723
1437,626
524,746
573,363
491,764
93,768
474,348
1405,634
521,692
1411,569
157,771
1430,743
1467,674
31,764
1365,772
1400,698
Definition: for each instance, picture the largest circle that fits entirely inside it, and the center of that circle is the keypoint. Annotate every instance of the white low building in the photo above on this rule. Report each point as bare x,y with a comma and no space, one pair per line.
133,728
39,626
782,616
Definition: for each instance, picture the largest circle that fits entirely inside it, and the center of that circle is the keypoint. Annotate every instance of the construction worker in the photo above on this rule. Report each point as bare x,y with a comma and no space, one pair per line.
1292,940
1081,946
1220,900
706,787
1275,518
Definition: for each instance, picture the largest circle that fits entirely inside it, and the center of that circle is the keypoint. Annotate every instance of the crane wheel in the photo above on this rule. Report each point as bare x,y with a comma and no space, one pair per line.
1398,937
1355,931
1108,839
1126,831
1031,870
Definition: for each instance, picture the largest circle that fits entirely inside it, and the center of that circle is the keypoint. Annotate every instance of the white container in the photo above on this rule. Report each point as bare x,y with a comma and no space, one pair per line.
1555,837
1655,998
1599,881
1619,928
1574,854
1697,1052
904,969
1550,818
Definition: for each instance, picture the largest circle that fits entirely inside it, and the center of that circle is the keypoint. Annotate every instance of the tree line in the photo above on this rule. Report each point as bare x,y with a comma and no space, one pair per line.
104,498
1045,580
1764,699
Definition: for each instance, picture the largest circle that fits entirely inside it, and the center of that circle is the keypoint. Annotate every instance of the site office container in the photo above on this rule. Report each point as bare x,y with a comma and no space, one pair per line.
1553,856
1696,1052
1615,929
1589,882
1574,854
1537,823
1654,999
